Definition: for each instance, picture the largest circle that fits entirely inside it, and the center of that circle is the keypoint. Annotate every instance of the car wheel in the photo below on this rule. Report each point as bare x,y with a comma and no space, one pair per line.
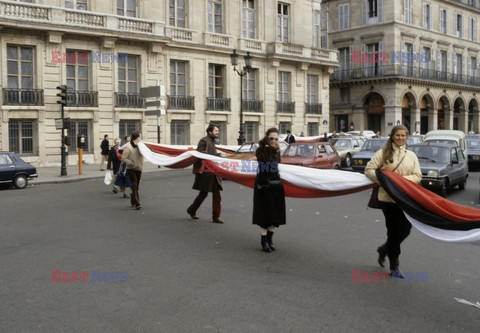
348,161
336,166
444,189
463,184
20,181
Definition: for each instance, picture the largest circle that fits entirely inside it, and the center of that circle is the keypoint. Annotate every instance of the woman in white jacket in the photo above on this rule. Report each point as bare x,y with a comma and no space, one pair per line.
394,156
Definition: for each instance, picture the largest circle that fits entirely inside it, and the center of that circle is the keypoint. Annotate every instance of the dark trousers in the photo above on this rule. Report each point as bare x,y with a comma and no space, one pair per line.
398,228
216,201
134,177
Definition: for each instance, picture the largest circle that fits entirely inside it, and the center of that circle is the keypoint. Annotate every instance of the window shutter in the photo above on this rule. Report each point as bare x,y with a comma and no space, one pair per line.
475,29
439,60
347,16
349,57
455,64
340,17
469,66
363,65
455,32
364,12
380,51
440,20
380,10
403,47
405,11
414,63
425,15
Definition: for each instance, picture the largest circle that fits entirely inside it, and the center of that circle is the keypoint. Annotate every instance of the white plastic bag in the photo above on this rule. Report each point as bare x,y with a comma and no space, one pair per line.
108,177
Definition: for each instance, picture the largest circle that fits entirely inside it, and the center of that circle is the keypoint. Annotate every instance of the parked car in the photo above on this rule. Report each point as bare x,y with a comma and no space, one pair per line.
448,136
346,147
443,166
414,139
14,170
320,155
247,151
473,151
365,133
369,148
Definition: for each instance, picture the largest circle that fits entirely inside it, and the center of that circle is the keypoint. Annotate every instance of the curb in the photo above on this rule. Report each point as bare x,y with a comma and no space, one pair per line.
84,178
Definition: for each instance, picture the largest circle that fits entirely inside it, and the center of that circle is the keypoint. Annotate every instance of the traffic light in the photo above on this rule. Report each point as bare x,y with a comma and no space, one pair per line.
63,95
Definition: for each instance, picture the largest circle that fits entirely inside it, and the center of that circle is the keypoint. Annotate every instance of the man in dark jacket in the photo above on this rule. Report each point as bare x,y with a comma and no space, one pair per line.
206,181
104,147
290,138
113,160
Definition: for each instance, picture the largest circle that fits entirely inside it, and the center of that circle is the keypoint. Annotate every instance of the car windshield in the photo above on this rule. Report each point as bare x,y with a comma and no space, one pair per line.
442,141
414,140
304,150
343,144
473,143
432,154
373,145
248,148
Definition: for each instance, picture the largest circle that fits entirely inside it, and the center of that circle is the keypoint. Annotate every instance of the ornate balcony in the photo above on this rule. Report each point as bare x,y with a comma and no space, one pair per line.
181,103
82,98
313,108
285,107
128,100
251,105
218,104
23,97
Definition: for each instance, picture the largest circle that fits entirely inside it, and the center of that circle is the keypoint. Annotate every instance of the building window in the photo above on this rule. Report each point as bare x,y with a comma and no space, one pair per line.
76,4
127,127
312,89
372,11
78,70
251,131
283,126
176,10
79,127
343,17
216,81
443,21
128,75
180,132
22,137
372,8
312,129
373,67
407,11
222,127
317,29
19,67
443,64
178,78
127,8
324,24
472,70
249,24
283,12
284,87
215,16
344,55
458,65
472,29
345,95
250,85
458,24
427,16
426,62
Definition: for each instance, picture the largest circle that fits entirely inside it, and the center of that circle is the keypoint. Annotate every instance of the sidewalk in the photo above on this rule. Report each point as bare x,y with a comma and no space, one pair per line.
51,175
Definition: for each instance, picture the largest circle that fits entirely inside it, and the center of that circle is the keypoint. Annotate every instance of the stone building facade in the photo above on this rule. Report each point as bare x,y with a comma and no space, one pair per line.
405,62
184,45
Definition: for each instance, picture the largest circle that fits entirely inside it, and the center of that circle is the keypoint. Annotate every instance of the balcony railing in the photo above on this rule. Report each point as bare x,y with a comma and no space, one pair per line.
218,104
82,98
286,107
404,71
128,100
14,96
313,108
252,105
181,102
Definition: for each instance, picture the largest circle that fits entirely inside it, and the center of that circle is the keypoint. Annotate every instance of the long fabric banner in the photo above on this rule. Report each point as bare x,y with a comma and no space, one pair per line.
431,214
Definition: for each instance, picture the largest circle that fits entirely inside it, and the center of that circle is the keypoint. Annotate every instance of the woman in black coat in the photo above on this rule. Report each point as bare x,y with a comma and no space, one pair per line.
268,193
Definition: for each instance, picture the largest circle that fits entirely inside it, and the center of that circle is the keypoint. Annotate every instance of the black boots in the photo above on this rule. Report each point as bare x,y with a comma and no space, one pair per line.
395,269
265,246
269,240
382,253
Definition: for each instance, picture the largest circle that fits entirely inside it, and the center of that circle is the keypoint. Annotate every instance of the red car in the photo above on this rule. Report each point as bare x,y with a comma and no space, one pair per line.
321,155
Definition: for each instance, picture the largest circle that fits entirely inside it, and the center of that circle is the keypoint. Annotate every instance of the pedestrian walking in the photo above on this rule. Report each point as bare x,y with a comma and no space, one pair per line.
206,181
114,161
104,146
268,192
394,157
134,161
290,138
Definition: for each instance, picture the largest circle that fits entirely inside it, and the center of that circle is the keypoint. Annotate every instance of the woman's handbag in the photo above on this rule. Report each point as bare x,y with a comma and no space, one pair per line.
373,202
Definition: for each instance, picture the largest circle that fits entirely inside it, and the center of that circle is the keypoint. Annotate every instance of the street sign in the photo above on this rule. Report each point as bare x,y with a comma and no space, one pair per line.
154,91
62,123
153,103
157,113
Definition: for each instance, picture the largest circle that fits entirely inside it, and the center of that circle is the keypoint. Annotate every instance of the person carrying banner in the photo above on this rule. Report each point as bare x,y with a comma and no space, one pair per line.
394,157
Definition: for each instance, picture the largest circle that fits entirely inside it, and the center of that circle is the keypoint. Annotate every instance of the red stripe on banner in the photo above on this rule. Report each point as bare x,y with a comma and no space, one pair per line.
225,150
434,202
166,150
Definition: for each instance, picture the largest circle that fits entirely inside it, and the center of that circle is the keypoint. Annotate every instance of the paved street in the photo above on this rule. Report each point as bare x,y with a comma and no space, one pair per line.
195,276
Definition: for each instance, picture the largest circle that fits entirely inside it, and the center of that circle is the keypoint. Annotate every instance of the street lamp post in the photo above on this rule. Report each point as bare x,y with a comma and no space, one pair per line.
247,68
